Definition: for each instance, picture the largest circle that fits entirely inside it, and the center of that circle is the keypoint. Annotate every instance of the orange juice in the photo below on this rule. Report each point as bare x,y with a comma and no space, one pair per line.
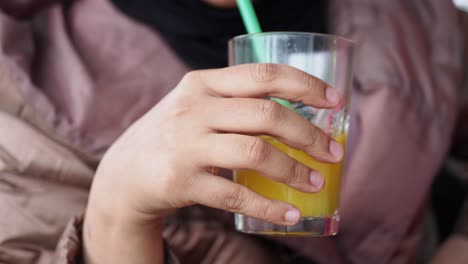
321,204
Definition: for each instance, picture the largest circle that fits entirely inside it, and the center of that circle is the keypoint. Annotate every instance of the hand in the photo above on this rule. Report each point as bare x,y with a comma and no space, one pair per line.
210,120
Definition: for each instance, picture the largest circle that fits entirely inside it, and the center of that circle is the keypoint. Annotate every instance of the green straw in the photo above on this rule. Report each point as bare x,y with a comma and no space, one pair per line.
249,17
252,25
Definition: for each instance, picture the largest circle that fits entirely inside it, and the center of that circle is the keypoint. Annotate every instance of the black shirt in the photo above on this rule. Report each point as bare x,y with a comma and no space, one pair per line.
198,32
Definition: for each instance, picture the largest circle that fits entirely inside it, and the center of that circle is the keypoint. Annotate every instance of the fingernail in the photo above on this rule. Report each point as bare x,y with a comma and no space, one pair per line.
332,95
292,216
316,179
336,150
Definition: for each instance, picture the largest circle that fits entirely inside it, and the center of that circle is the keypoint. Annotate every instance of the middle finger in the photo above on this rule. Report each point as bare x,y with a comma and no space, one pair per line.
237,152
265,117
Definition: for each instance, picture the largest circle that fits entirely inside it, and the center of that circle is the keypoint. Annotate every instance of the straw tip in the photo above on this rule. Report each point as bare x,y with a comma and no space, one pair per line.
282,102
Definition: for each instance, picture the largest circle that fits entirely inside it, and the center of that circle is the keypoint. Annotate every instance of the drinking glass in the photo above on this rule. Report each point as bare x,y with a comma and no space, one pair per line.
330,59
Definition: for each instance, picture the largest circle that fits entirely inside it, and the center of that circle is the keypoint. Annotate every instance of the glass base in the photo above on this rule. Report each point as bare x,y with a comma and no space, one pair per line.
308,226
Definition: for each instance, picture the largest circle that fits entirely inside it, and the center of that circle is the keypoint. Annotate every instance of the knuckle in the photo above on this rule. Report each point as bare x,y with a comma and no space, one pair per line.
296,173
195,78
165,187
183,105
257,151
235,199
313,140
265,210
312,82
191,76
187,98
269,112
264,72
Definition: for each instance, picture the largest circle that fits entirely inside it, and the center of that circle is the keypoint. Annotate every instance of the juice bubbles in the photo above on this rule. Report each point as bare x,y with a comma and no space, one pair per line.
321,204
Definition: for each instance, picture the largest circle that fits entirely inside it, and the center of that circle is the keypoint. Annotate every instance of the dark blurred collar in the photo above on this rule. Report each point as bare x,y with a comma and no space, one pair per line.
198,32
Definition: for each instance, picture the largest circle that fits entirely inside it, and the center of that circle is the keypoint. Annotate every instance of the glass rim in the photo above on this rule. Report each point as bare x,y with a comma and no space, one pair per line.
295,33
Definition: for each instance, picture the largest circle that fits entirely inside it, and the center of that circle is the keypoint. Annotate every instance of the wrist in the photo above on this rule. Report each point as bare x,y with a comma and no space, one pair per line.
110,205
118,237
116,193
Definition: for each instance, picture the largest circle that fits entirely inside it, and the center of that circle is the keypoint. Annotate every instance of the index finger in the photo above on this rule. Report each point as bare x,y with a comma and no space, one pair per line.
266,79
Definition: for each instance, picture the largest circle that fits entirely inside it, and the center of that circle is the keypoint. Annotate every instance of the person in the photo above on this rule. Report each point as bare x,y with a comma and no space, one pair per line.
118,95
